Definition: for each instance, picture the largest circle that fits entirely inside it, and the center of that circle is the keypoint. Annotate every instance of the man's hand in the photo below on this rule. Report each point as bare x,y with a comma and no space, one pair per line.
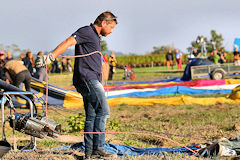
44,60
48,59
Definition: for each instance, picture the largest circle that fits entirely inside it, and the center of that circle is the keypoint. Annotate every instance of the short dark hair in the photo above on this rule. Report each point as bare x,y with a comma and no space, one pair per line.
105,16
28,52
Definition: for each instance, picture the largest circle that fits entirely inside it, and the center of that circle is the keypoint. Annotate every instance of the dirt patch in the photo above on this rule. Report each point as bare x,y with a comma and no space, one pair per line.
43,155
70,138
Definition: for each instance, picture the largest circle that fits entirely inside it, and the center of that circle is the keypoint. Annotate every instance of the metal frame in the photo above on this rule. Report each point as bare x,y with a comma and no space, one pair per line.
226,68
24,96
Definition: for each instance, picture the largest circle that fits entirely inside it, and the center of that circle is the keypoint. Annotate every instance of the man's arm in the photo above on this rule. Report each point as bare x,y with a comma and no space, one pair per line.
64,46
59,50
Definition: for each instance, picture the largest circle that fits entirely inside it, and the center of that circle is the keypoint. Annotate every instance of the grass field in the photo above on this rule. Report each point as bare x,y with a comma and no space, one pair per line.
185,124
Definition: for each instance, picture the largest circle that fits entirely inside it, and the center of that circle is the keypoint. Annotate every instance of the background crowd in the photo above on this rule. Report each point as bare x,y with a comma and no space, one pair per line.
217,57
22,69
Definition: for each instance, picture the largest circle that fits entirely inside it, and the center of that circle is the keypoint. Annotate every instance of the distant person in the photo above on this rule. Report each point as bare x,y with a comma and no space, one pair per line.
211,56
178,56
112,65
2,74
9,56
29,62
128,73
169,59
69,67
41,72
55,66
21,56
17,73
2,55
215,56
63,61
196,53
222,56
236,56
105,58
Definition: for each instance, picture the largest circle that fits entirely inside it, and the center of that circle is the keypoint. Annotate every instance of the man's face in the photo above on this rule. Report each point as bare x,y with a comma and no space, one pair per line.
21,56
2,57
107,28
30,55
9,54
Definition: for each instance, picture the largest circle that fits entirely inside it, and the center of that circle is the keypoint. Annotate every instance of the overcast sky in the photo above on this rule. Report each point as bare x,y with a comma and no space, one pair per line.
43,24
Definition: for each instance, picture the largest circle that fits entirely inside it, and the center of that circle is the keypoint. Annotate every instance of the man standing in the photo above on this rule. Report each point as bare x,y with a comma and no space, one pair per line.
179,58
112,65
169,58
87,77
41,72
9,56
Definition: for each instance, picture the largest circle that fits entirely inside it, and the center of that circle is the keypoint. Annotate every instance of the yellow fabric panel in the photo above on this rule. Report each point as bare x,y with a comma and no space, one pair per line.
181,100
232,81
72,100
144,101
235,95
38,84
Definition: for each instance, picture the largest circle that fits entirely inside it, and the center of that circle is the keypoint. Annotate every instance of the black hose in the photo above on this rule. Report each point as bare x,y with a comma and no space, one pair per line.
8,87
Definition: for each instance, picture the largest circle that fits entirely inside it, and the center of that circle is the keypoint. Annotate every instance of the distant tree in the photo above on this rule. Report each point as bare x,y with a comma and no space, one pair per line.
15,48
163,49
132,54
103,44
215,41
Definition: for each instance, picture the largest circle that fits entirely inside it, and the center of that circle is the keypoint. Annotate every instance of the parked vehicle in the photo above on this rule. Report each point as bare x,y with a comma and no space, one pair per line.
216,71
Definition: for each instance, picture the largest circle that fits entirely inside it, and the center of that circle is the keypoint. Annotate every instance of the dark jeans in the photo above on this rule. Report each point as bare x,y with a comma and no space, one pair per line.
110,76
24,77
97,112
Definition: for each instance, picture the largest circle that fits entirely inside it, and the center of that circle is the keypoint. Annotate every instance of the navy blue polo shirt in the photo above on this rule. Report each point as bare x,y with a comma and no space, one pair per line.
89,67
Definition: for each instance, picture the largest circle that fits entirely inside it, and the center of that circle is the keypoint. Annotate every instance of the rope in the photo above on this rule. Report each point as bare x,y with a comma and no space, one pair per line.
129,133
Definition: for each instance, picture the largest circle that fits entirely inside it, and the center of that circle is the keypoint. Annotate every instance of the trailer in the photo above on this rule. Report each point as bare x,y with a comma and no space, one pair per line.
215,71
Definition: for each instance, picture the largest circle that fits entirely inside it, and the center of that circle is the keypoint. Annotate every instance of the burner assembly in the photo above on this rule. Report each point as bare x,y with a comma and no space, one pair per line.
36,126
29,123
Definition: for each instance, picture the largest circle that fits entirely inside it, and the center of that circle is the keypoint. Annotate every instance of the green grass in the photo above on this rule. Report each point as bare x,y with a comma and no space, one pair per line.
158,68
186,124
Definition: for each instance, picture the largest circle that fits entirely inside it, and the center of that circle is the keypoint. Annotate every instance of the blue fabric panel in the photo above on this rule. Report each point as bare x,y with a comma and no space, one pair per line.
172,90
